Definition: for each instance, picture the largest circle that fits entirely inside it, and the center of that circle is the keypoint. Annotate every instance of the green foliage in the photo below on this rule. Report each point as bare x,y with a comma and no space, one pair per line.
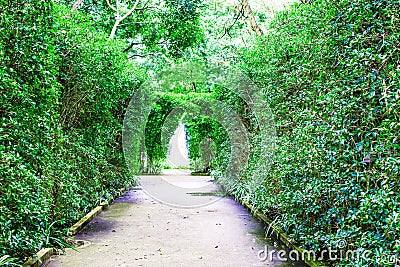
156,153
64,89
330,71
199,130
7,260
165,27
182,26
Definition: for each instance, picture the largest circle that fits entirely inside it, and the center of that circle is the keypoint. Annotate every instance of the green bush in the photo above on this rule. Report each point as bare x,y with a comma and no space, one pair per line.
64,89
331,74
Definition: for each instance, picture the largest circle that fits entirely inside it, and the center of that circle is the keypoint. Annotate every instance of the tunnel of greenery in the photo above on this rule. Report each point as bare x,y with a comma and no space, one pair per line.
328,69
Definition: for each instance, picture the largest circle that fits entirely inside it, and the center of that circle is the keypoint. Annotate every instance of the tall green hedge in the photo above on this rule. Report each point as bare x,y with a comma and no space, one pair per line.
331,73
63,92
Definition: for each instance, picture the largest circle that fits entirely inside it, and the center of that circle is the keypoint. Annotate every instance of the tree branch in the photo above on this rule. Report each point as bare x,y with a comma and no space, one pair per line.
147,7
137,55
76,5
113,8
236,18
118,18
137,43
130,46
137,22
130,11
249,13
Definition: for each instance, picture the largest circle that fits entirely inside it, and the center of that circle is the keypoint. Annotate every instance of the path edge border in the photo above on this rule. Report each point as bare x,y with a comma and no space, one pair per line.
280,234
43,255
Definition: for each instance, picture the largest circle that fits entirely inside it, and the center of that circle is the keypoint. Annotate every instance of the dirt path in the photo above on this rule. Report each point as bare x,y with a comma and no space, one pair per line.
136,230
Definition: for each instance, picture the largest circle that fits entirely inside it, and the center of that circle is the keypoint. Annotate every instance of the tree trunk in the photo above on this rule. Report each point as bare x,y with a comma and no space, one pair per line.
77,4
249,13
114,29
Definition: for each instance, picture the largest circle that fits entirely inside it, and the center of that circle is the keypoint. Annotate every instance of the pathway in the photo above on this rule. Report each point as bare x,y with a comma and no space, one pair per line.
136,230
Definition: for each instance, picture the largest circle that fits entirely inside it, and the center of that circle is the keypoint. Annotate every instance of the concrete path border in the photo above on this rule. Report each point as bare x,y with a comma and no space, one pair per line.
44,254
280,234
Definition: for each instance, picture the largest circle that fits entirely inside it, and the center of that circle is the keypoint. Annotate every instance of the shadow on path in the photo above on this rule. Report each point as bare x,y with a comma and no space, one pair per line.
136,230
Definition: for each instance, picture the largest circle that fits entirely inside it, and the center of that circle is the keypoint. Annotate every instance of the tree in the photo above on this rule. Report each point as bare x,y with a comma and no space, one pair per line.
245,6
165,28
118,16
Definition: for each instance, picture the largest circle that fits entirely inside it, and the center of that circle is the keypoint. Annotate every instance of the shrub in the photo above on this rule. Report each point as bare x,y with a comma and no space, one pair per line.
64,89
330,71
